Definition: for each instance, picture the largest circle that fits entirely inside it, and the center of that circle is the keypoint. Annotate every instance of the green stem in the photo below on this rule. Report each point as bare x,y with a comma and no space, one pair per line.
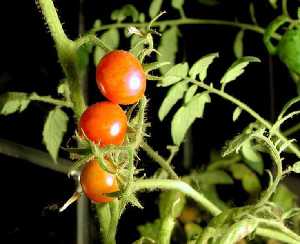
165,233
274,234
246,108
50,100
114,213
188,21
34,156
93,40
292,130
155,184
104,216
159,159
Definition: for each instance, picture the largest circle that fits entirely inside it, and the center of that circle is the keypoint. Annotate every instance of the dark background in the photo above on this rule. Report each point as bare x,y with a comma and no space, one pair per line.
29,194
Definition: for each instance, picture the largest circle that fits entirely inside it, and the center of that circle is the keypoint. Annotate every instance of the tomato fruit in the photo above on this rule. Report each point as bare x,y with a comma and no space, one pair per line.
121,78
104,123
95,182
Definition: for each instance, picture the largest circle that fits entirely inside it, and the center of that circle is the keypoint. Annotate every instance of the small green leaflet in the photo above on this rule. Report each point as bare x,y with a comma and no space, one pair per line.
236,114
168,48
296,167
284,198
190,93
186,115
127,10
54,130
175,93
273,3
150,230
136,44
252,157
238,47
201,66
111,38
237,68
154,8
177,4
12,102
213,177
175,74
234,144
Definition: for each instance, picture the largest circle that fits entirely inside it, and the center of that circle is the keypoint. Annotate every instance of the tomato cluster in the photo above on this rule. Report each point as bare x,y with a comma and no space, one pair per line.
121,79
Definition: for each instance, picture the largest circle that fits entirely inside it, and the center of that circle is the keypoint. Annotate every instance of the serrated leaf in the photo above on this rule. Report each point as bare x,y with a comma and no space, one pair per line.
150,230
250,182
201,66
213,177
236,114
190,93
186,115
296,167
174,94
171,203
154,8
168,48
54,130
175,74
111,38
252,157
12,102
234,144
237,68
127,10
177,4
238,47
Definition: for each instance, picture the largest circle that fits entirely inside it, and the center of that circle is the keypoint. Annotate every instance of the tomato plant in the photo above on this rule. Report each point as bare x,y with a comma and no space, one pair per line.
120,77
104,123
96,182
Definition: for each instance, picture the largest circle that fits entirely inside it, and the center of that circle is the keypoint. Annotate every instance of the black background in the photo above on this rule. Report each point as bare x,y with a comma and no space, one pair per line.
29,194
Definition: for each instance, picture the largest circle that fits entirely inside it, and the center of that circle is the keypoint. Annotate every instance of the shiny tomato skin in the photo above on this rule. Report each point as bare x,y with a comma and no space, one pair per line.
104,123
121,78
95,182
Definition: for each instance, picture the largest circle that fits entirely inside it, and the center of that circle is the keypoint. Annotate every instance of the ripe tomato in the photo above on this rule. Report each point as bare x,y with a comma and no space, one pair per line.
95,182
104,123
120,77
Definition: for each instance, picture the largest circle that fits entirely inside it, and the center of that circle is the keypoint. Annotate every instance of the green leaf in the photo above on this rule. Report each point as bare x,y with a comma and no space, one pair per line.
171,203
168,48
237,68
111,38
54,130
174,94
12,102
238,44
273,3
210,192
127,10
178,4
236,113
252,157
136,44
213,177
284,198
296,167
186,115
150,230
190,93
249,180
154,8
201,66
192,230
175,74
234,144
298,12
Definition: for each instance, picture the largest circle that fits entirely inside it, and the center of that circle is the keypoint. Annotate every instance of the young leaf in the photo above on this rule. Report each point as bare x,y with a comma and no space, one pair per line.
127,10
186,115
150,230
177,4
54,130
190,93
252,158
236,114
201,66
238,44
12,102
175,93
213,177
237,68
111,38
296,167
168,48
154,8
234,144
175,74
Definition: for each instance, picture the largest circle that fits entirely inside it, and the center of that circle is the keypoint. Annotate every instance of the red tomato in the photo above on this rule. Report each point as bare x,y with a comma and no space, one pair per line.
95,182
104,123
121,78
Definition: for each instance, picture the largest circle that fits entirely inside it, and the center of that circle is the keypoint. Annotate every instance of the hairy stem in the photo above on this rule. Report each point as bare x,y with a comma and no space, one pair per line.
274,234
155,184
159,159
166,229
50,100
